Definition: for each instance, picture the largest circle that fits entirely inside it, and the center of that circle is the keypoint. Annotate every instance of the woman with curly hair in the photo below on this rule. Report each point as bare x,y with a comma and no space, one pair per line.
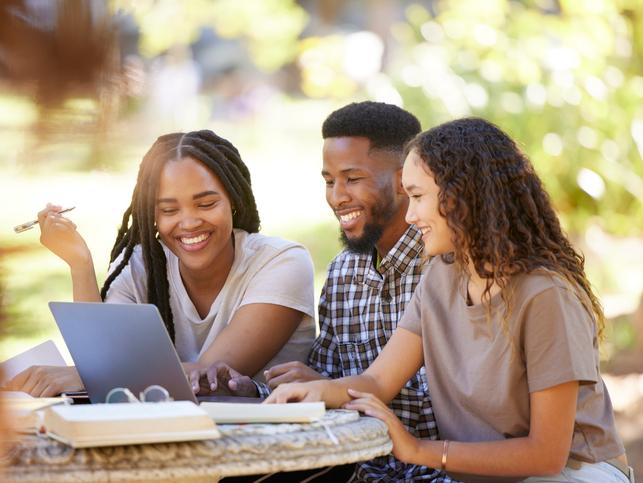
189,244
504,321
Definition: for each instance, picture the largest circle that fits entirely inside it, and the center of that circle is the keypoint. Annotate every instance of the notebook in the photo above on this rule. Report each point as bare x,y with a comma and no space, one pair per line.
223,413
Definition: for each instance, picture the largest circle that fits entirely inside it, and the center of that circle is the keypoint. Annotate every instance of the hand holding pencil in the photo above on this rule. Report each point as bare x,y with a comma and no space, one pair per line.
59,235
30,224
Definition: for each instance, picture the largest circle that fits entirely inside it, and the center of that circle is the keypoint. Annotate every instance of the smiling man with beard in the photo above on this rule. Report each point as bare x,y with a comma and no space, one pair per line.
370,282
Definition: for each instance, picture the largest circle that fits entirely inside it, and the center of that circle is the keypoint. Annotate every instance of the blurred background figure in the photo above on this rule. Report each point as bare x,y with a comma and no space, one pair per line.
174,81
66,58
55,50
87,85
52,52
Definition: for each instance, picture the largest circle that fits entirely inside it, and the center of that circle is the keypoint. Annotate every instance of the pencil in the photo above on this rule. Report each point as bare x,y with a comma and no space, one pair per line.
30,224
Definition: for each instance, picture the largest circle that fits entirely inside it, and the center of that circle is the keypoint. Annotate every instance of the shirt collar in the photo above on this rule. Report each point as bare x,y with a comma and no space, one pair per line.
404,252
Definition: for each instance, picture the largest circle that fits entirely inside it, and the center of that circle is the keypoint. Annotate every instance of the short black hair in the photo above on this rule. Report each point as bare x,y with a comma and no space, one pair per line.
386,126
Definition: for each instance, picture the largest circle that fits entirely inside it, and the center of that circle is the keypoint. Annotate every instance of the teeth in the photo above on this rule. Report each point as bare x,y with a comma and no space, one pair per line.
193,240
350,216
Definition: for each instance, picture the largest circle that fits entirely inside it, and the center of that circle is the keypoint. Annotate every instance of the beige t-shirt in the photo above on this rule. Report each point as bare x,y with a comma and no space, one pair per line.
265,270
479,392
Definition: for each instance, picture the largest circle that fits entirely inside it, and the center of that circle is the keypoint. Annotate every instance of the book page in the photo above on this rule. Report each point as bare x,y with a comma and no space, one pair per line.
25,410
45,354
16,400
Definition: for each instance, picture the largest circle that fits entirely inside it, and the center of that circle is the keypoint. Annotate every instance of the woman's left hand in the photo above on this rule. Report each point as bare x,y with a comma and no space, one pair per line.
405,445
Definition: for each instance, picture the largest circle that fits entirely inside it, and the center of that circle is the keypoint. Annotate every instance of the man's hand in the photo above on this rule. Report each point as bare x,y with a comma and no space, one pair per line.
46,381
290,372
219,378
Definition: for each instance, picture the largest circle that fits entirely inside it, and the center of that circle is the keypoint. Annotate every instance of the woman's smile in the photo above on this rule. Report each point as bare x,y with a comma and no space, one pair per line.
426,233
194,216
195,241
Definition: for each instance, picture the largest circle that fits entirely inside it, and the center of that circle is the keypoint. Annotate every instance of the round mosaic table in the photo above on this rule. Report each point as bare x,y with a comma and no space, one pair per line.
340,437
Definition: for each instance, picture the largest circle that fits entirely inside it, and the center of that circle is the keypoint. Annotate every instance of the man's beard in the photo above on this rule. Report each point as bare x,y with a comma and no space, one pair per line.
365,243
381,214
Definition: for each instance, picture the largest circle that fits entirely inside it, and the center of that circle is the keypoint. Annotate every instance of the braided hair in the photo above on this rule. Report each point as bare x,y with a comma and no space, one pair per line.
138,224
501,217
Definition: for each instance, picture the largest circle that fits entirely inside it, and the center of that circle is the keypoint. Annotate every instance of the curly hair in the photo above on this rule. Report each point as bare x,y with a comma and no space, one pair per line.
386,126
501,217
138,224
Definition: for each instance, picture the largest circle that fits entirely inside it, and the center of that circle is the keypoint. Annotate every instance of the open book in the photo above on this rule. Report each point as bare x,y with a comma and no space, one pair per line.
128,423
25,410
306,412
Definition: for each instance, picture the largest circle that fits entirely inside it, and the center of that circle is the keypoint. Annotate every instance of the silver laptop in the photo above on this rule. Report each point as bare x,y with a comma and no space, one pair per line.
120,345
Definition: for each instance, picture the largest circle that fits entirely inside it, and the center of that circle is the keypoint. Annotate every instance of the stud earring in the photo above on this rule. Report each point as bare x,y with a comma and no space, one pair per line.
234,212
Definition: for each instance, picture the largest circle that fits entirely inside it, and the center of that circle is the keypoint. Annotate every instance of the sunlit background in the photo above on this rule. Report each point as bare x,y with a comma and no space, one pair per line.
563,77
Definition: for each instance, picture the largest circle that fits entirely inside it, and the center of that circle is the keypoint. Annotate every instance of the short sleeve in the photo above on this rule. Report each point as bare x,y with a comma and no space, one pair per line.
122,289
287,280
412,317
558,340
324,354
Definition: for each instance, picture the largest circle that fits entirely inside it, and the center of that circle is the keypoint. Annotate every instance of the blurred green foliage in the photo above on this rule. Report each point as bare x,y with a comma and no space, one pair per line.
566,84
323,242
269,27
565,79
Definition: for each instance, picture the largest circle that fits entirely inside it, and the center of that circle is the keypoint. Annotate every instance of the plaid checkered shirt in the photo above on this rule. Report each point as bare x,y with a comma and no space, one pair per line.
359,309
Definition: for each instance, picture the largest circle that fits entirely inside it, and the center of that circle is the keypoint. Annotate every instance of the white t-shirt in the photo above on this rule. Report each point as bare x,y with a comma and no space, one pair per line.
265,270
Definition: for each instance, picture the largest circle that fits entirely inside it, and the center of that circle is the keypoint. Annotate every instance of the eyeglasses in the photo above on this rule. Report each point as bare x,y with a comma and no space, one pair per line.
152,394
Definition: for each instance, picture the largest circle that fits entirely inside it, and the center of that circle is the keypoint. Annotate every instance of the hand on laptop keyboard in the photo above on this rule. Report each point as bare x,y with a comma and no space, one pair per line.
219,379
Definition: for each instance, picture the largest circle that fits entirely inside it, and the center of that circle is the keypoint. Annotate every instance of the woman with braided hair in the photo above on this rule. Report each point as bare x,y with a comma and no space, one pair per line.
504,321
188,243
